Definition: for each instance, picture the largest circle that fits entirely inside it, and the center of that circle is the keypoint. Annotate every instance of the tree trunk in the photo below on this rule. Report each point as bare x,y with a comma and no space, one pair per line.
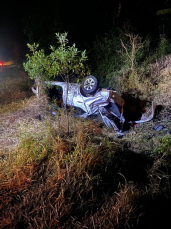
37,89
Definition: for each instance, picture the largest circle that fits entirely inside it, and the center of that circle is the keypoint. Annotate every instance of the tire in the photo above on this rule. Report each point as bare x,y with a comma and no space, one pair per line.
90,85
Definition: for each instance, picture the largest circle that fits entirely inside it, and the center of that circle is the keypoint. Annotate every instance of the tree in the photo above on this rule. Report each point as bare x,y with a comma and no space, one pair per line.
132,48
64,60
35,66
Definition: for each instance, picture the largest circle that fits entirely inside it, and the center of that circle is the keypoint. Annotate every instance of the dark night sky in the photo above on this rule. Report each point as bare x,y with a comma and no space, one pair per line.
83,19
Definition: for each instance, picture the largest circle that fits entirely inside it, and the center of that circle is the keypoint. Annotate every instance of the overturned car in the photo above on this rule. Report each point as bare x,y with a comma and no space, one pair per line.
103,103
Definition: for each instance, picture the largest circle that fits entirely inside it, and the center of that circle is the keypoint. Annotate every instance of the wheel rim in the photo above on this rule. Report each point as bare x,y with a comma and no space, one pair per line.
89,84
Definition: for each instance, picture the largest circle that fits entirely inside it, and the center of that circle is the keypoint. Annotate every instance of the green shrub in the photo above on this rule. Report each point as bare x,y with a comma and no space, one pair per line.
64,60
107,57
122,59
163,46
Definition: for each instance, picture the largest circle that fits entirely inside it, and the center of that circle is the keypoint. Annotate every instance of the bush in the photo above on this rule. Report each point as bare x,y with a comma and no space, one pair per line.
123,60
64,60
106,58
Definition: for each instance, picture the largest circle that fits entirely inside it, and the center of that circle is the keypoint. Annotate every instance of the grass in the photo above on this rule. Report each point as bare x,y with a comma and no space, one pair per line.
86,178
14,85
58,180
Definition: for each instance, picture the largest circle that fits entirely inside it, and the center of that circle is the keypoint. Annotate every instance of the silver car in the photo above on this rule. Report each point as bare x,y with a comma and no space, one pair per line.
94,101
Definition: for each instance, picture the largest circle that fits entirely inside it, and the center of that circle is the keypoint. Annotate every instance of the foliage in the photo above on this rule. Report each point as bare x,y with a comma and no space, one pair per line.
117,57
64,60
116,54
165,145
106,58
35,62
124,61
132,49
164,46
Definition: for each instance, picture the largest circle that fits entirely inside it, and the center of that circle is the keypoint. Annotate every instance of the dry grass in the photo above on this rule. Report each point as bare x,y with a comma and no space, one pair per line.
163,90
159,79
47,176
14,85
15,115
116,210
160,66
61,161
153,84
141,86
145,138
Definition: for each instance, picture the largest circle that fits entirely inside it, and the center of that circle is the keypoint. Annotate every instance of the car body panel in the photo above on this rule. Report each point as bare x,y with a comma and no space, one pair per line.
89,104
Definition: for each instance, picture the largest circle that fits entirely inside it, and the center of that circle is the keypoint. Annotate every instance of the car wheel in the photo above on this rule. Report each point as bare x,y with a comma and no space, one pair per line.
90,85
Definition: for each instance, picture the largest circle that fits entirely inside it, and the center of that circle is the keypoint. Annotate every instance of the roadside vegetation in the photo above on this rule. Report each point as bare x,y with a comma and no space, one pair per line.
52,176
